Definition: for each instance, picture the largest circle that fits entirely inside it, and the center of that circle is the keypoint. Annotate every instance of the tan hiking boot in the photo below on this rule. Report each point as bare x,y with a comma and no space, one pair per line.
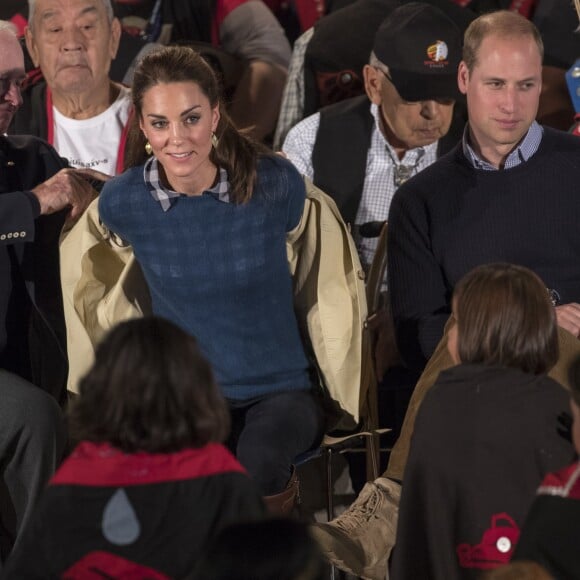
361,539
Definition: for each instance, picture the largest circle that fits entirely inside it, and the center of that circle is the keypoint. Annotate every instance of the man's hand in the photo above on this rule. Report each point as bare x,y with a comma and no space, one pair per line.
568,317
68,188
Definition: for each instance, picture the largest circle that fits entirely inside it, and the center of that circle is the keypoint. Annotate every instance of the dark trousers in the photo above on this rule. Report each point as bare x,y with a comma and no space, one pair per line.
268,433
32,441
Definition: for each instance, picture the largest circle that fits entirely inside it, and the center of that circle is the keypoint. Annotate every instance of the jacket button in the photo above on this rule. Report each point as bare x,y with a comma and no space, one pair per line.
503,545
361,275
3,237
9,235
16,235
22,234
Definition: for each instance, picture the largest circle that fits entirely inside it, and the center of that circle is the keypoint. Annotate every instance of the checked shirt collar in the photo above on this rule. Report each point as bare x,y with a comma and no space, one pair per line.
168,198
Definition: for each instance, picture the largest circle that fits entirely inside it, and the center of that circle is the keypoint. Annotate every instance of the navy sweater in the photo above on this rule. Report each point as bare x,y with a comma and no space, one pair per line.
451,218
219,270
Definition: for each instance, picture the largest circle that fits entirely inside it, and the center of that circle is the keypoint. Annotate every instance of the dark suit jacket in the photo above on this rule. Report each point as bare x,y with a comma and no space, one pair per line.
32,331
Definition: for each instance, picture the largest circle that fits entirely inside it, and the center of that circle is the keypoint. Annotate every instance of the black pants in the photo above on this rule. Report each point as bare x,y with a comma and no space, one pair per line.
268,433
32,441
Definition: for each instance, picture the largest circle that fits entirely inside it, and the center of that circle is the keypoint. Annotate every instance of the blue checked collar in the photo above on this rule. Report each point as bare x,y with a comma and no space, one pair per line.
167,197
527,147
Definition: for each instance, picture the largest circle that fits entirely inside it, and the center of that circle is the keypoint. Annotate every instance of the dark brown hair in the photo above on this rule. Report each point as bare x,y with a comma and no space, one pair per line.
505,317
149,389
235,152
502,23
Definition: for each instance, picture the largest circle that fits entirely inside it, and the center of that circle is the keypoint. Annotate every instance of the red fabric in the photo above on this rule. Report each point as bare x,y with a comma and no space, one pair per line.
20,22
564,483
223,8
124,469
99,565
309,11
496,547
123,142
524,7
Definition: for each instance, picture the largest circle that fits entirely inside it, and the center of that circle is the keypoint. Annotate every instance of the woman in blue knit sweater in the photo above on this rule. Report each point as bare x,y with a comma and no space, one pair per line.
206,213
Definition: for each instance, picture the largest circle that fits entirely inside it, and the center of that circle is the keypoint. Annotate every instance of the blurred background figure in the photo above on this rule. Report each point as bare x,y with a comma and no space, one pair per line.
243,30
149,483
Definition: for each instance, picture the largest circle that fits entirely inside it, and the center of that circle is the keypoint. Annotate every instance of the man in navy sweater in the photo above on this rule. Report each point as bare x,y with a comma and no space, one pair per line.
507,192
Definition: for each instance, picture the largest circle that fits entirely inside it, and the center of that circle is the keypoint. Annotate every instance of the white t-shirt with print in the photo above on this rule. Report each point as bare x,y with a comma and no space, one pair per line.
93,142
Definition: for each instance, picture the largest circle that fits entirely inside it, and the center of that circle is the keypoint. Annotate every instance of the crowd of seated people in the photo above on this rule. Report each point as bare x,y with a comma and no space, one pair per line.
458,213
141,131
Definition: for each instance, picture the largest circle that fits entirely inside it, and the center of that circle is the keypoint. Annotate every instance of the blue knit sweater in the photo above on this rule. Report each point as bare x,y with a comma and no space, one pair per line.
219,270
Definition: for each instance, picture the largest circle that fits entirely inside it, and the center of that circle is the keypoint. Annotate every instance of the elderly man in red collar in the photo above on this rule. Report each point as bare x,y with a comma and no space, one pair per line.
77,108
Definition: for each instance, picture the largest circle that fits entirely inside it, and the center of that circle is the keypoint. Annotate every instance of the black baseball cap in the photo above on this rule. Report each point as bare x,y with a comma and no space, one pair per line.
421,46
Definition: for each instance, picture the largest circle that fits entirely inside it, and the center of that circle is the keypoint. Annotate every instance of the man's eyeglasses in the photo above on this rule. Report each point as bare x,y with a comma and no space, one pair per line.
7,82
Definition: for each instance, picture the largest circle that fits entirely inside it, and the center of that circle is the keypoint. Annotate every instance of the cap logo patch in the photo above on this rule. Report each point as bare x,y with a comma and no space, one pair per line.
437,53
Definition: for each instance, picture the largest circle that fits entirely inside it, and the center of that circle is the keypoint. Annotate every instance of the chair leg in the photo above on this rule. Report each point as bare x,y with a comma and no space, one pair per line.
329,499
329,485
373,450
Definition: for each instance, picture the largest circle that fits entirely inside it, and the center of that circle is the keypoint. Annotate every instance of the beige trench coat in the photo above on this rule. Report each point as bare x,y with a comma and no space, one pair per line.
102,284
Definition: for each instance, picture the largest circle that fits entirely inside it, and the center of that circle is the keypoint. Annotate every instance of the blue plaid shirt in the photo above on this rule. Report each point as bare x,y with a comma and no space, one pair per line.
167,197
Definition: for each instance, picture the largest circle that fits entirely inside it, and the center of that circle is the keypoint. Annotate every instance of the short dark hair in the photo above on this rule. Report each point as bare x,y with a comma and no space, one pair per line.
505,317
235,151
502,23
149,389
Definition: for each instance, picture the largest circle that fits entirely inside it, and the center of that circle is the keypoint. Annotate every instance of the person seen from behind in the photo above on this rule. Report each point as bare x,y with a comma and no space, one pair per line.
487,432
150,483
